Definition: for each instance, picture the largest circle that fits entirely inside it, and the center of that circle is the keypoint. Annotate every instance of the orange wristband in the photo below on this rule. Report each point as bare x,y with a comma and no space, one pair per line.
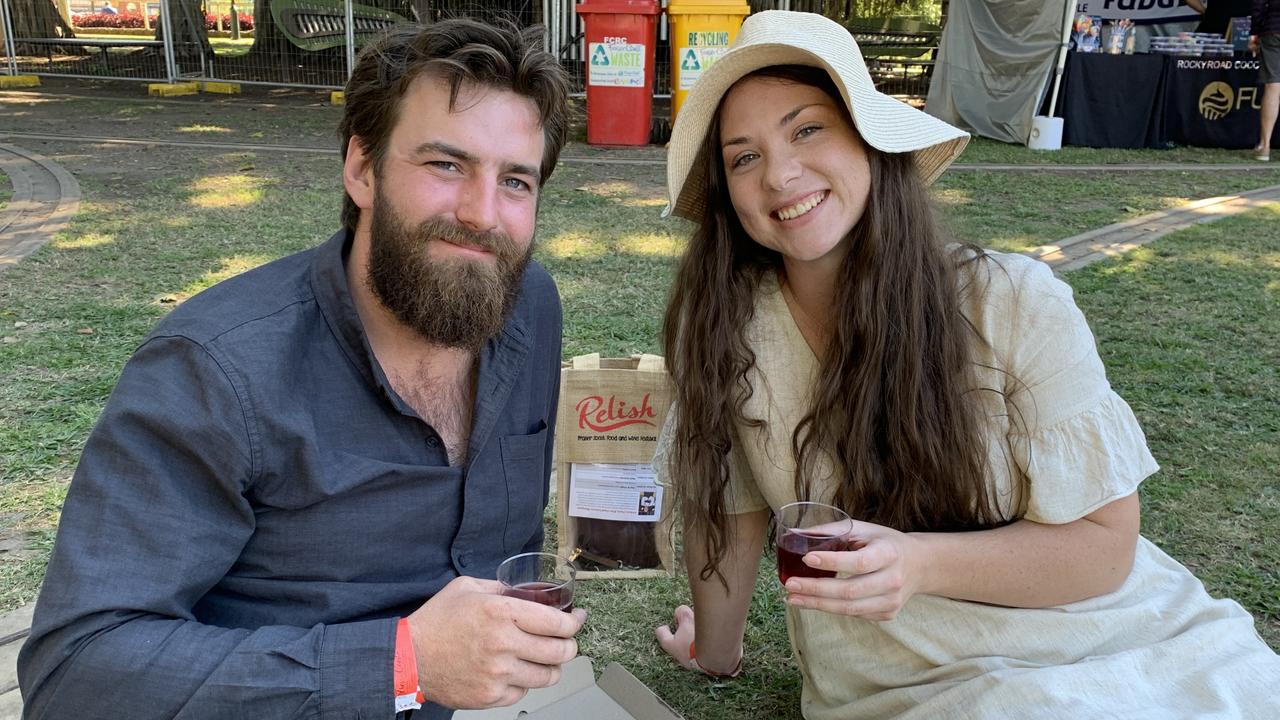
406,691
693,655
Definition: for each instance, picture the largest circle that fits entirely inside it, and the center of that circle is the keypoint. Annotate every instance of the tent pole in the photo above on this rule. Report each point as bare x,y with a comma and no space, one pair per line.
1069,13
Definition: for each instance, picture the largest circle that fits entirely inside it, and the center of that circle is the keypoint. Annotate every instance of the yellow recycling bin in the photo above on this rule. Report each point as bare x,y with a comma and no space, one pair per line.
700,33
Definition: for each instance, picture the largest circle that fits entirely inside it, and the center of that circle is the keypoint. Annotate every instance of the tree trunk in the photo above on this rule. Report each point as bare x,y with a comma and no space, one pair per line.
267,38
39,19
190,37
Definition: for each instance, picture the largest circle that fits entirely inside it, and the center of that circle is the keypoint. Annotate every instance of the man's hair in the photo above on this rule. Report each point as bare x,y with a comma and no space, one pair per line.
500,56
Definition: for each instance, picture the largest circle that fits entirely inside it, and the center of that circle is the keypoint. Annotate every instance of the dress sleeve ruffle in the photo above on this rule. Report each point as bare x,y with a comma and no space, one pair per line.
742,494
664,453
1083,462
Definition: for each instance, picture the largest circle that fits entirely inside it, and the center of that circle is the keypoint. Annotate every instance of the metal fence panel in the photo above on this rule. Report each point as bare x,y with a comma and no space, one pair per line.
40,40
313,43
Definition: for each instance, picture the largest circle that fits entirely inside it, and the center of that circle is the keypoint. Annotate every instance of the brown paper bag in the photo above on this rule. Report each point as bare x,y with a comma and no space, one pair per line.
610,521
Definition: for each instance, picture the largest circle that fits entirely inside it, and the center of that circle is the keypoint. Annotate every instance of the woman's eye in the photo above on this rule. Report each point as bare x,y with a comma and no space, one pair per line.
808,130
742,159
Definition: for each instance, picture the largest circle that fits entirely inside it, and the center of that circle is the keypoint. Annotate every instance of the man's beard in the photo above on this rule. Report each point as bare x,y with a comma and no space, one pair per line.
455,302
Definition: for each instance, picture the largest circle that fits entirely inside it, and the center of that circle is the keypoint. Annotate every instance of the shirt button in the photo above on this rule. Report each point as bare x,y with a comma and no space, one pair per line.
433,441
462,560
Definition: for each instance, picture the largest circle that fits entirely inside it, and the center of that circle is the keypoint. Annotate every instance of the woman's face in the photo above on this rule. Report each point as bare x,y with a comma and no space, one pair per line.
797,171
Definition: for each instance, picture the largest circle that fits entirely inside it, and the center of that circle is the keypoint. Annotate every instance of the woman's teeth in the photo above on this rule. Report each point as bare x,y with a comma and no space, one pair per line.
801,208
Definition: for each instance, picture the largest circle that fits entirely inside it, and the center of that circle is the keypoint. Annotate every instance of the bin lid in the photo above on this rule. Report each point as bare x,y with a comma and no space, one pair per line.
708,7
620,7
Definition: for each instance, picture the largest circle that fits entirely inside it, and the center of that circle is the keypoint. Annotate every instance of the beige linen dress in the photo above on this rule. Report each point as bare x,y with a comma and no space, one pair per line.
1063,444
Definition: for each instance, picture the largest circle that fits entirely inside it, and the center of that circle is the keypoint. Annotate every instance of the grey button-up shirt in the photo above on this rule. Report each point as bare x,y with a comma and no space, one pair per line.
256,507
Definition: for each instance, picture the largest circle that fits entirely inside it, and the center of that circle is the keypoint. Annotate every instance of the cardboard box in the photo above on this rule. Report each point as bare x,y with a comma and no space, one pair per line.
617,695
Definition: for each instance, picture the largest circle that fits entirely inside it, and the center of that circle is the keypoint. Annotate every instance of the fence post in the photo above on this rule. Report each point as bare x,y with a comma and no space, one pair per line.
351,38
235,21
166,27
11,49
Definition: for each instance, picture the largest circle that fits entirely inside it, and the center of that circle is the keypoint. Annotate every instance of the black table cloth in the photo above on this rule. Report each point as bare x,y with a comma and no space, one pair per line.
1158,101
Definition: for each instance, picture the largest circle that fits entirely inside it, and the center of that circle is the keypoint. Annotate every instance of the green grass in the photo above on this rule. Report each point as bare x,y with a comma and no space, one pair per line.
1189,327
1019,211
984,150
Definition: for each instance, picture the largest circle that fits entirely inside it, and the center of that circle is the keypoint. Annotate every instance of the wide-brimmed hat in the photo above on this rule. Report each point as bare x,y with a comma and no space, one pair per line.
778,37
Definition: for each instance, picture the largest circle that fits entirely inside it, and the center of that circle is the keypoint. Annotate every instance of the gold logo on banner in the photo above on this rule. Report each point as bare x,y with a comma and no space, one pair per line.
1216,100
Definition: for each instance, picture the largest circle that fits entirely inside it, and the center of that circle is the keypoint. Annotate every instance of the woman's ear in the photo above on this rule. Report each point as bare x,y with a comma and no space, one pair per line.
357,174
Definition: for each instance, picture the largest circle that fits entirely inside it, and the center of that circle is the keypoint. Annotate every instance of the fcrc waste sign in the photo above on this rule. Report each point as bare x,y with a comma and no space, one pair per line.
616,64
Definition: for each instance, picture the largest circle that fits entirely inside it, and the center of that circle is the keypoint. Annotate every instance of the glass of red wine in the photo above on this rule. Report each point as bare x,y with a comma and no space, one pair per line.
804,527
544,578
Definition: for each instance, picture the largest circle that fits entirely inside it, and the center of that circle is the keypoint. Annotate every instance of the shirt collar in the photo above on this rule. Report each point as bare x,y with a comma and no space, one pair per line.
329,283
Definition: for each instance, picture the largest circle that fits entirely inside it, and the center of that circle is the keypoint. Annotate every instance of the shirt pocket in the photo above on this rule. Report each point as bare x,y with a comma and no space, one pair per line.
524,467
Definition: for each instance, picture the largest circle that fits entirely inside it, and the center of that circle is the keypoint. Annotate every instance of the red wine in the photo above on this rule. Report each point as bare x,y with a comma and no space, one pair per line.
545,593
795,544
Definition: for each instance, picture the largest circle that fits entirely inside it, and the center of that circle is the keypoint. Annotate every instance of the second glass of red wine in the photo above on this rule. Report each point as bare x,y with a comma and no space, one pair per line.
544,578
805,527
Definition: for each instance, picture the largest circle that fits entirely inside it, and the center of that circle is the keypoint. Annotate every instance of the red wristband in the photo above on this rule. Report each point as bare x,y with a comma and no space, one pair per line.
405,664
693,655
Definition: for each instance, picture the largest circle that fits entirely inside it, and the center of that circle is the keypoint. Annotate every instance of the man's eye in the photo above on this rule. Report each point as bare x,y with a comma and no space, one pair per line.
517,184
444,165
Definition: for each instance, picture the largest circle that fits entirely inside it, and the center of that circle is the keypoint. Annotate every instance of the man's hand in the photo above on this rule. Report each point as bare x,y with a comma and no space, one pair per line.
477,648
1253,44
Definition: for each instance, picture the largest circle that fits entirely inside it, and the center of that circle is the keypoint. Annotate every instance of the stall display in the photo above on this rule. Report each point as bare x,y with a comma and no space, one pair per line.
1159,100
1193,44
1087,33
1120,37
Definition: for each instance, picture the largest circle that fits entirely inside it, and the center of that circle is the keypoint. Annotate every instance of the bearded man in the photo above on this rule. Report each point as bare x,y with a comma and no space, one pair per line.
306,476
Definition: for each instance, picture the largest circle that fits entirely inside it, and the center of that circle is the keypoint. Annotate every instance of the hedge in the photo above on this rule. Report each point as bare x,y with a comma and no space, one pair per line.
130,20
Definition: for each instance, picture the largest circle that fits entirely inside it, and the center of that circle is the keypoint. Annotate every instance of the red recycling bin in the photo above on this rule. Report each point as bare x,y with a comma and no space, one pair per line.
621,38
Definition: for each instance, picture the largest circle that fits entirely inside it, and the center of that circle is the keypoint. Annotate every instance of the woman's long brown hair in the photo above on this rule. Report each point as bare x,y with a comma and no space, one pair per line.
892,406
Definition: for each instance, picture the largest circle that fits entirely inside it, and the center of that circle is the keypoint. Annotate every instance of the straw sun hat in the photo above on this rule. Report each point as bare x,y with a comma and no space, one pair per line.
777,37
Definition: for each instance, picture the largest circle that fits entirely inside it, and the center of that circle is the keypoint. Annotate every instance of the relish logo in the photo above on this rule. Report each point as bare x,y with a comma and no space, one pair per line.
596,413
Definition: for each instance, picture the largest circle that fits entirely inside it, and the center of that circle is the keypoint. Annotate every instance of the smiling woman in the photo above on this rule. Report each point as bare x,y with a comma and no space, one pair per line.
826,345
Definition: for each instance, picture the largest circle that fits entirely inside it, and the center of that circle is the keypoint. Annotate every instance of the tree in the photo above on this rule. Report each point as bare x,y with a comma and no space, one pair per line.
37,19
190,36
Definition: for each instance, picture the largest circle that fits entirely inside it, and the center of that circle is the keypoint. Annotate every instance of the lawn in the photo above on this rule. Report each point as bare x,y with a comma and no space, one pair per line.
1189,327
983,150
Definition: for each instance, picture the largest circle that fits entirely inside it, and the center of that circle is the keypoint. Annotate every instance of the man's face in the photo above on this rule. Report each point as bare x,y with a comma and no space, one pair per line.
453,211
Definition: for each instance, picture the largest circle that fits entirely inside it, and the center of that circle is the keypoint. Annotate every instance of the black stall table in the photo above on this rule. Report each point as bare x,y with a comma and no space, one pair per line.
1154,101
1113,101
1212,102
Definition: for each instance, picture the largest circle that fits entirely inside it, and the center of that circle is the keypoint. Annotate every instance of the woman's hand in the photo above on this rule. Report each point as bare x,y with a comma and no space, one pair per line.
677,640
874,581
